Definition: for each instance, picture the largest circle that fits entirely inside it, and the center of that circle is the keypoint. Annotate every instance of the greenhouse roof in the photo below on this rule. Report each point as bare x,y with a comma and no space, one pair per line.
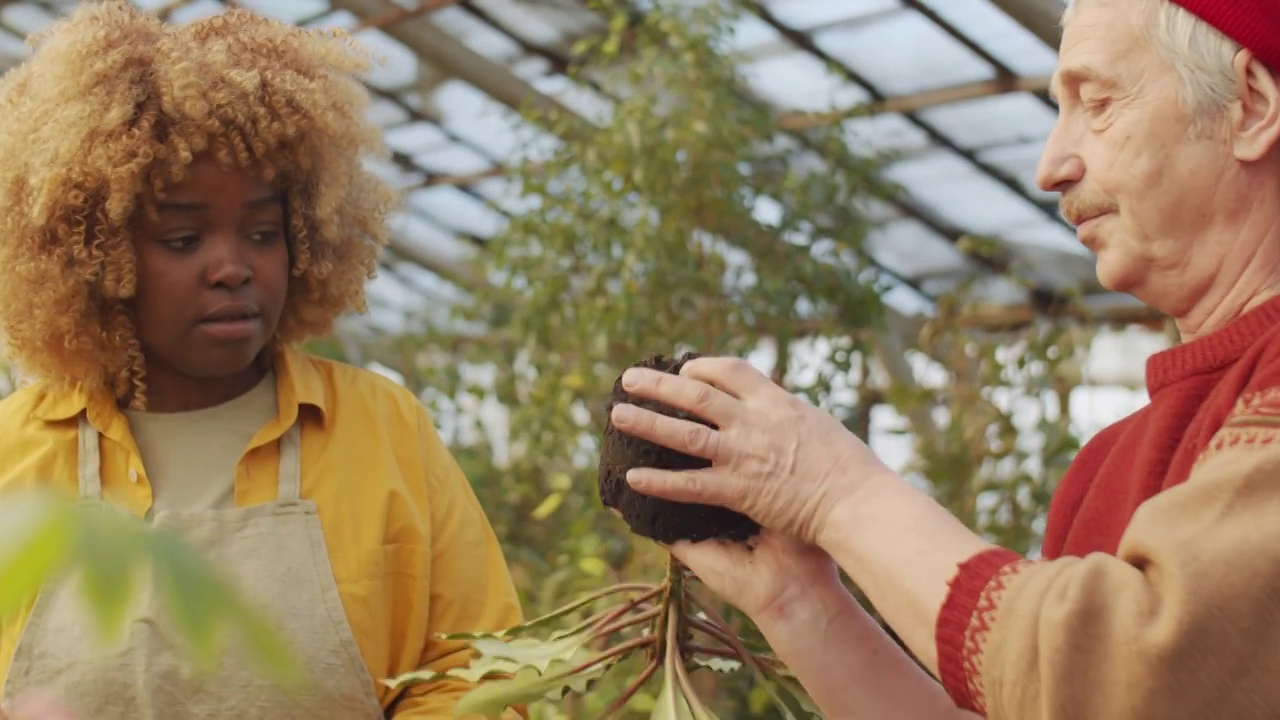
958,87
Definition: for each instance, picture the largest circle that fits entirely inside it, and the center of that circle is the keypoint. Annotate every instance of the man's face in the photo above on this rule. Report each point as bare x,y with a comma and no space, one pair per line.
213,273
1137,175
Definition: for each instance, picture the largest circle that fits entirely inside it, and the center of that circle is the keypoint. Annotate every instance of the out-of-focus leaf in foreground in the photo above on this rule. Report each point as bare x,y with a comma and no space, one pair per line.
106,552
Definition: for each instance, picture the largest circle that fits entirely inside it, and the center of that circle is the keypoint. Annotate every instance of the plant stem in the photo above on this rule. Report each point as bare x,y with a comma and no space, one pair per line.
613,652
630,691
716,626
686,686
707,628
611,590
628,622
609,616
757,669
671,648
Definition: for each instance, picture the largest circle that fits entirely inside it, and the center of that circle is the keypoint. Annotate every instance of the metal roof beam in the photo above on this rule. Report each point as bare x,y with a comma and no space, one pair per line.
436,46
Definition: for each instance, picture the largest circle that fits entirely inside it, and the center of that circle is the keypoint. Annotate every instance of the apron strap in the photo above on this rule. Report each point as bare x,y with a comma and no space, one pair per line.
89,471
290,465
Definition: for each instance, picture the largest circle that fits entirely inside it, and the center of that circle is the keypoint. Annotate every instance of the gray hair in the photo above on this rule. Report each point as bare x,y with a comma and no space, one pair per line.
1200,54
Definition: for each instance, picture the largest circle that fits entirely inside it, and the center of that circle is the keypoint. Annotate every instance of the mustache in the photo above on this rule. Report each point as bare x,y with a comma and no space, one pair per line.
1080,207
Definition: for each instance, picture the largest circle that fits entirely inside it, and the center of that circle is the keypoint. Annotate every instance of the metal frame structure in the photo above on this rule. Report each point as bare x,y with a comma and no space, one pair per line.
513,54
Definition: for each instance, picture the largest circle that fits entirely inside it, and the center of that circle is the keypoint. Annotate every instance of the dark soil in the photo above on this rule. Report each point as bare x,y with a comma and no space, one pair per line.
651,517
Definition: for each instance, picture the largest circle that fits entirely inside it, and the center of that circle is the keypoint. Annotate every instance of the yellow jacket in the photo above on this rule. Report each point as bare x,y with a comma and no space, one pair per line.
411,548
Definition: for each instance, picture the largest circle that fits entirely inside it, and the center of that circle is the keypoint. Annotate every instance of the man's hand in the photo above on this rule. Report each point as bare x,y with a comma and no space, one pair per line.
764,580
847,663
36,707
775,458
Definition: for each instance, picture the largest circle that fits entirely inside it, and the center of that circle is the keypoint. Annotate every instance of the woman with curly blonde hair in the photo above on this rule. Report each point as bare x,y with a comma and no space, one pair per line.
179,206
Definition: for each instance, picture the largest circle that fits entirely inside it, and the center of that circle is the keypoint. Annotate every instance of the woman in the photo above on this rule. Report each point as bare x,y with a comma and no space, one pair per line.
179,206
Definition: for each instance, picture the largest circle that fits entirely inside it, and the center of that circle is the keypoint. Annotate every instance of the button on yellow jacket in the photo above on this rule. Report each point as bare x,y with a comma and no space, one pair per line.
412,551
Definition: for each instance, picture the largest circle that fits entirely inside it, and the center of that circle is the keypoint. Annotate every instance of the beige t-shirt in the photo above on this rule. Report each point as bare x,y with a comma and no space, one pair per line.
190,458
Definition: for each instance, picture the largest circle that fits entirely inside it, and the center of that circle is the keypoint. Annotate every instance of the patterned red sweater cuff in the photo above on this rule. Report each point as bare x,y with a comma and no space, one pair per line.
951,633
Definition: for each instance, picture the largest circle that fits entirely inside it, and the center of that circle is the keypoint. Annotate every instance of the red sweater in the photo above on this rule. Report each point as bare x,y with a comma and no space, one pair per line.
1192,388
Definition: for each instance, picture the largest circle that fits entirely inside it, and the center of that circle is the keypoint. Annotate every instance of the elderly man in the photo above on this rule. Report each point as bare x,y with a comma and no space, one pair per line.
1158,594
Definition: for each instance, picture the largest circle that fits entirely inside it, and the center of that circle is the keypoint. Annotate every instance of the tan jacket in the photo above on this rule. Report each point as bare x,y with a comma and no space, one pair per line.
1183,622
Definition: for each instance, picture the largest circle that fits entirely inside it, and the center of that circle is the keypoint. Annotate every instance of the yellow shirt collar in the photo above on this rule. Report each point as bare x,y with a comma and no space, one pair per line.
298,383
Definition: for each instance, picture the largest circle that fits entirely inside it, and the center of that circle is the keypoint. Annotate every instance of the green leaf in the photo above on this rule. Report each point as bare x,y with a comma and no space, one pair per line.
548,506
491,699
267,647
103,548
671,703
36,538
481,668
109,550
593,566
531,652
527,685
791,692
195,600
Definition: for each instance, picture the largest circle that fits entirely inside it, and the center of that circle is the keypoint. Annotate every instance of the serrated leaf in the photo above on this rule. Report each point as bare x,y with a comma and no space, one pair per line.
479,669
718,664
527,685
783,701
491,699
414,677
531,652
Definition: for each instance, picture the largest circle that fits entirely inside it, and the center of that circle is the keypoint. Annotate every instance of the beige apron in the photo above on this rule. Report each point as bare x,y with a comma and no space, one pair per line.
276,553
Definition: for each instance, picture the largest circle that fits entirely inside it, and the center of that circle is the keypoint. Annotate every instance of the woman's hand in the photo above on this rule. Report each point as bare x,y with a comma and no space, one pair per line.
36,706
775,458
764,580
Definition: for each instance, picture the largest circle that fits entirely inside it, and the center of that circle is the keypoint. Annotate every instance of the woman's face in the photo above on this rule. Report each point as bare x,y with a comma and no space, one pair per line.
213,273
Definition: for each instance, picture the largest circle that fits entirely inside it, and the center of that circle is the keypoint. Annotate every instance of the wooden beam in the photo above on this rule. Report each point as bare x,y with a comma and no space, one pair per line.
462,180
392,17
919,101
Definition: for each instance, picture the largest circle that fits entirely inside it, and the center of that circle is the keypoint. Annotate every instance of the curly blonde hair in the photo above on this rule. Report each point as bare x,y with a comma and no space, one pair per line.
109,110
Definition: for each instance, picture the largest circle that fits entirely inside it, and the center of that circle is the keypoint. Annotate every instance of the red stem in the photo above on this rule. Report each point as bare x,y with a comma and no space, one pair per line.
622,649
630,691
625,608
628,622
707,628
716,626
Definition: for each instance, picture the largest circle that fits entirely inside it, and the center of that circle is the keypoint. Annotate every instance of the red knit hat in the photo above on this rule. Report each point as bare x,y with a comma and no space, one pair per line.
1255,24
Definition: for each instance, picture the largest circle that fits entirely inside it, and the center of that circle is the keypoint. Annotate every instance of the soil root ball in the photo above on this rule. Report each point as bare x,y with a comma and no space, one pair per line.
651,517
